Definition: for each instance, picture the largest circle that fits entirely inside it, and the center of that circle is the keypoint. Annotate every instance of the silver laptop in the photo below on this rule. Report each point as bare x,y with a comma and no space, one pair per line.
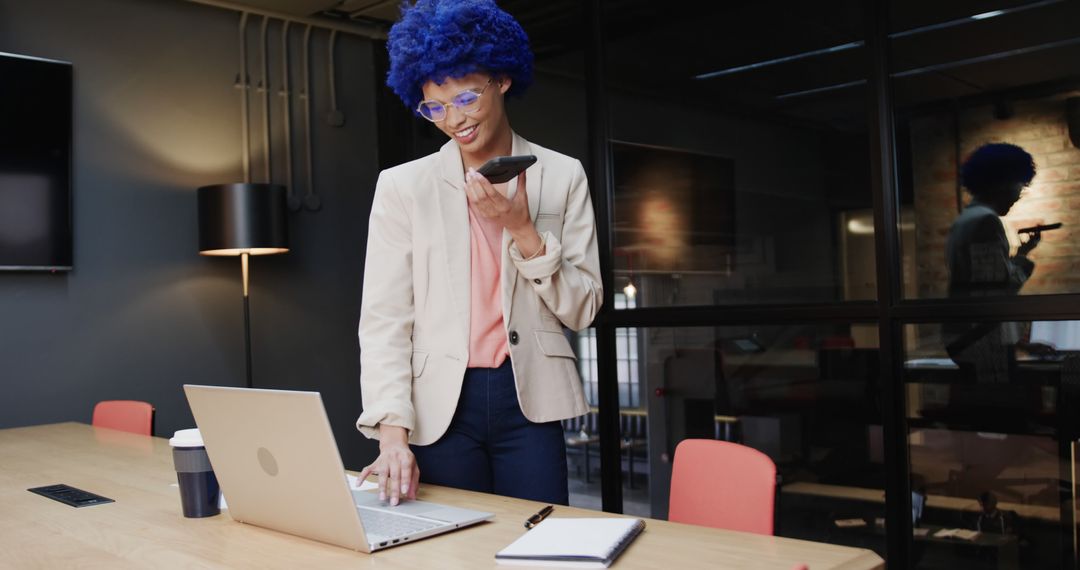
278,466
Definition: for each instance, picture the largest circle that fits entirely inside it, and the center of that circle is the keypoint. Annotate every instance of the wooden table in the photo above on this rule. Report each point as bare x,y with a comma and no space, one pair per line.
144,528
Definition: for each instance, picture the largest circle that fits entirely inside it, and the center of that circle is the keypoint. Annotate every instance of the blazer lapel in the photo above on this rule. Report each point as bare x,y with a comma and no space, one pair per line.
454,207
533,186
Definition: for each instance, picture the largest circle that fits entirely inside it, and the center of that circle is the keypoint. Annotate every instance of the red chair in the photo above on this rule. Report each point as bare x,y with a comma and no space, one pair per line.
125,415
722,485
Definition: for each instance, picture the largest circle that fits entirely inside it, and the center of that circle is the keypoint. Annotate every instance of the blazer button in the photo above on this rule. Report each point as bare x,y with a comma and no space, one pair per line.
513,337
537,281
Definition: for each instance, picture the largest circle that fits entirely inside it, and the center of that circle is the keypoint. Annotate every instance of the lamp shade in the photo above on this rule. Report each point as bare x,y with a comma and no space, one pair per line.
242,218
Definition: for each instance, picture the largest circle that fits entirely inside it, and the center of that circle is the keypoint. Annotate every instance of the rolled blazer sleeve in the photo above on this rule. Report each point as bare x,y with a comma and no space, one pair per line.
387,314
567,276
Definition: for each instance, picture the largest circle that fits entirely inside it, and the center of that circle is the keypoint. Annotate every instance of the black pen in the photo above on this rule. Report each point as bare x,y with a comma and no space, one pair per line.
535,519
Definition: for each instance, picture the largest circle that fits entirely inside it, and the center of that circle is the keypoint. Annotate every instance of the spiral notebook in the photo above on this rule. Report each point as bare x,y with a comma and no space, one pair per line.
572,543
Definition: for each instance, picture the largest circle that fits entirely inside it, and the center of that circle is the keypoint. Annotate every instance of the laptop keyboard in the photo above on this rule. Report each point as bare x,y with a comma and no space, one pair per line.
389,525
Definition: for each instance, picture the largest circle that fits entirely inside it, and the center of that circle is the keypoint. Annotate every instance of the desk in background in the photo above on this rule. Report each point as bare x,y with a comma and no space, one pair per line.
868,504
144,527
877,496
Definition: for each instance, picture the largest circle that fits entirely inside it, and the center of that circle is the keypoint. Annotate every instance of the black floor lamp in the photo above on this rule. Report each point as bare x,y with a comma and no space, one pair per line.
243,219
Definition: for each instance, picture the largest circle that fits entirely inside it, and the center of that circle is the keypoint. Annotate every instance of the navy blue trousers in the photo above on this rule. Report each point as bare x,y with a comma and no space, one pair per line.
491,447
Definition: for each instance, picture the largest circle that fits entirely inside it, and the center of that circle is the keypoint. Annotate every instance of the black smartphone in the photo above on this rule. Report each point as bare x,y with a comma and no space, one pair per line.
1039,229
502,168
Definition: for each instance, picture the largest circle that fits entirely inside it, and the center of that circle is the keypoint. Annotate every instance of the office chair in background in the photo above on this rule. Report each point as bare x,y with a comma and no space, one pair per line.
124,415
722,485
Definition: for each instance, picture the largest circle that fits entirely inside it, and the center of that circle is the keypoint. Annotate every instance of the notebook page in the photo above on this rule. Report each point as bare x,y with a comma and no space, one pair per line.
583,537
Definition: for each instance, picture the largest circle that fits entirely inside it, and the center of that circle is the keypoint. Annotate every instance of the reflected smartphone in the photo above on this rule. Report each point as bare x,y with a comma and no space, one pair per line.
502,168
1039,229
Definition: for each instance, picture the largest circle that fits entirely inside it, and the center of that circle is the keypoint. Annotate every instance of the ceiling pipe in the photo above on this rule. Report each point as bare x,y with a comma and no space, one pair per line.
311,199
291,197
336,117
356,28
264,88
243,83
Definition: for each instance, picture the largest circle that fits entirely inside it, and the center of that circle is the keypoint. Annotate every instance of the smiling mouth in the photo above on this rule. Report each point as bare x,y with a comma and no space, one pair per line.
465,133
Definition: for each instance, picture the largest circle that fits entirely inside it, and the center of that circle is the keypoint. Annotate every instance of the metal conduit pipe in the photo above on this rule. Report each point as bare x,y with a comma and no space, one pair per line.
364,30
264,87
311,200
292,199
242,83
335,118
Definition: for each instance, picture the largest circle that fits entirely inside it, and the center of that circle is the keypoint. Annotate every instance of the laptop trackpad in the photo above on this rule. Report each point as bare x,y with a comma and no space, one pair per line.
406,507
450,514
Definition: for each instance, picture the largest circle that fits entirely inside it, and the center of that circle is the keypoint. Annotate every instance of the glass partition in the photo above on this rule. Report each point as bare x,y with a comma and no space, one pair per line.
968,74
805,395
992,428
739,159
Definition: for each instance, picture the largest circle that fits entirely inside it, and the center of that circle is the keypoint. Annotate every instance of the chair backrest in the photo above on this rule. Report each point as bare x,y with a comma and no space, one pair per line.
722,485
125,415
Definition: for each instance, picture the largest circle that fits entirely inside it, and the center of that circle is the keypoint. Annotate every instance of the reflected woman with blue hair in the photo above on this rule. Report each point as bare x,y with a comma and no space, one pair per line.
978,250
465,370
978,255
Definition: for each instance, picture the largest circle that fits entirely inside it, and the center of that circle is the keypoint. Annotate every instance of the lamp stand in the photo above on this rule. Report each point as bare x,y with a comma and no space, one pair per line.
247,320
243,219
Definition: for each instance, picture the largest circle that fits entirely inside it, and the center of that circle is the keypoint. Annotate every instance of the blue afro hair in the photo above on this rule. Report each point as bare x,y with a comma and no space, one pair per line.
994,165
438,39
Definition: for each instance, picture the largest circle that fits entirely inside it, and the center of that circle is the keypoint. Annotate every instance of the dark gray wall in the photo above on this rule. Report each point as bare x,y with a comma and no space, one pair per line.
156,116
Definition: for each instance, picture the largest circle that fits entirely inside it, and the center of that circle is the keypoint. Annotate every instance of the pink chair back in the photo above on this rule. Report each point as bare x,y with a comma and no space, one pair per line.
722,485
125,415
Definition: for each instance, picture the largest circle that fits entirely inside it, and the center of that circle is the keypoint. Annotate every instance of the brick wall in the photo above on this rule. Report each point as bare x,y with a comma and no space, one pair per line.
1054,196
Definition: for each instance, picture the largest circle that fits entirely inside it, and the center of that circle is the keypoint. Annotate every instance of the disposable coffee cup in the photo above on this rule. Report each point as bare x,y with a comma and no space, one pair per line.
198,486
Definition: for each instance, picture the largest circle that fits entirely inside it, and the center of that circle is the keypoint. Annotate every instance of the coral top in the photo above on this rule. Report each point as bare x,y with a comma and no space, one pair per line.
488,346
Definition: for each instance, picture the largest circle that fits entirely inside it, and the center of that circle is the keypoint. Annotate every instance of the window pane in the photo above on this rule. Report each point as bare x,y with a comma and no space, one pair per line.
804,395
968,74
992,418
581,433
739,153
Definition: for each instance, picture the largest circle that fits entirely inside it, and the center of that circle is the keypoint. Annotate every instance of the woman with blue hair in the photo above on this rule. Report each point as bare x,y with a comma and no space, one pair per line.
468,284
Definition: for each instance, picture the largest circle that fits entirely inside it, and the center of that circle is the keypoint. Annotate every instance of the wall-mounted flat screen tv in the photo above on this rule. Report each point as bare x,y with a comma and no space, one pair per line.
35,164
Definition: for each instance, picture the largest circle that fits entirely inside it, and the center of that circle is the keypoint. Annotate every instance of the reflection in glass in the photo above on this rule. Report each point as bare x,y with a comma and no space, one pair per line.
806,396
965,76
677,210
734,155
992,416
977,249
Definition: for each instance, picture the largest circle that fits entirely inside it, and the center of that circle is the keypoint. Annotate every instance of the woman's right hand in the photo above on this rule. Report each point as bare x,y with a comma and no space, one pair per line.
1026,247
399,475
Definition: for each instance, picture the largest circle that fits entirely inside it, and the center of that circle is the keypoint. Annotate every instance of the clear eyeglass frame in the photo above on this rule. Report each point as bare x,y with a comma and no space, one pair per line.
468,102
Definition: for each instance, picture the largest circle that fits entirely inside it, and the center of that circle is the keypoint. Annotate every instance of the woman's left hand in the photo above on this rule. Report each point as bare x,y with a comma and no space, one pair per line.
510,213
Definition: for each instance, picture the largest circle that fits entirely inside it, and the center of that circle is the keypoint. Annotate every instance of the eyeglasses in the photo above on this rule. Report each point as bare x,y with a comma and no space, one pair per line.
468,102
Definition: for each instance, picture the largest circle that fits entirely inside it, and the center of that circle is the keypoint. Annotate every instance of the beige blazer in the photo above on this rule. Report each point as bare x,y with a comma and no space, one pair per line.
414,317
